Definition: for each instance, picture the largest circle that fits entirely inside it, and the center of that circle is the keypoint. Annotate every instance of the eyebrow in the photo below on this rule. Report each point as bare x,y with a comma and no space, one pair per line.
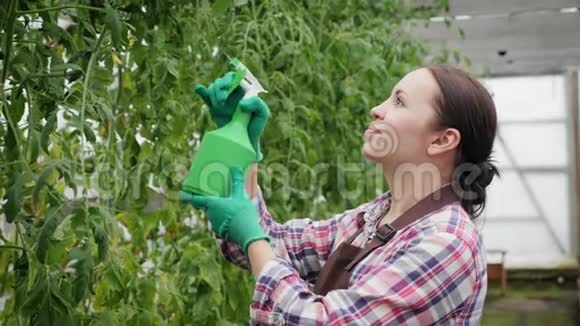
400,92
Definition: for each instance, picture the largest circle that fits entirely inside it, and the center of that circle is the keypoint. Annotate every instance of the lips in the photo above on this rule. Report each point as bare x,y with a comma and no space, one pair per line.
372,130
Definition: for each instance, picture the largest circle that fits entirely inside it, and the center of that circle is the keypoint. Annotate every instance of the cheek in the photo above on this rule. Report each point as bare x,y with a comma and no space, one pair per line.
405,125
411,133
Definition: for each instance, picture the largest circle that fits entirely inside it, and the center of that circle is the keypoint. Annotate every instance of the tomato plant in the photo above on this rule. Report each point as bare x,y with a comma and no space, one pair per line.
99,124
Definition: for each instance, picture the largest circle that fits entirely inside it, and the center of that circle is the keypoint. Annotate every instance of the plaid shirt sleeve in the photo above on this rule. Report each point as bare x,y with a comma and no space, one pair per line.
427,278
303,244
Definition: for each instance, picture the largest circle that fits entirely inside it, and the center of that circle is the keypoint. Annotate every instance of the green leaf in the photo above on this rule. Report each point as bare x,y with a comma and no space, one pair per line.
41,182
102,241
83,266
33,146
14,198
21,267
36,295
88,131
59,313
36,113
17,107
11,148
58,249
67,68
145,319
44,306
104,112
24,63
48,128
114,24
52,221
171,66
104,318
220,6
146,293
64,169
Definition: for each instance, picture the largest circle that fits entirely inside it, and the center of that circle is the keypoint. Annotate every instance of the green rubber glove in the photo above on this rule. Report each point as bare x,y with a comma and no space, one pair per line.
260,113
233,218
222,105
217,96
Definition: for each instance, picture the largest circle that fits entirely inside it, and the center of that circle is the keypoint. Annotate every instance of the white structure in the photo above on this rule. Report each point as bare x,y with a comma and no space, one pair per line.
531,210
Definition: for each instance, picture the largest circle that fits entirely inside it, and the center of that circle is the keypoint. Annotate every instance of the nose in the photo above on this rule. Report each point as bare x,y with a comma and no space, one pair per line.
377,113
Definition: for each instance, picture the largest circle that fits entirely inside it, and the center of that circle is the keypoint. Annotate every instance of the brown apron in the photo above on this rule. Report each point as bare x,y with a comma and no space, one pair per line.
335,274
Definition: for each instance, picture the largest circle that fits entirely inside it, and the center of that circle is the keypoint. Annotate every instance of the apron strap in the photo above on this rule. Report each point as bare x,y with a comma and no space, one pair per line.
434,201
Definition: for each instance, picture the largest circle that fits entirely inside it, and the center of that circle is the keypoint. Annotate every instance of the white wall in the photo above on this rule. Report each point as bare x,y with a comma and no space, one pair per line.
530,208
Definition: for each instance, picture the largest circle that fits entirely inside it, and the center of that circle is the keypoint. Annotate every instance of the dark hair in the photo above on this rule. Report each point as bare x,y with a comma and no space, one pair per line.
466,105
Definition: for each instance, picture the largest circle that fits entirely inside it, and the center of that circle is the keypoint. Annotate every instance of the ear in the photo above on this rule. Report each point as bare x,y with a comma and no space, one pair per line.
444,141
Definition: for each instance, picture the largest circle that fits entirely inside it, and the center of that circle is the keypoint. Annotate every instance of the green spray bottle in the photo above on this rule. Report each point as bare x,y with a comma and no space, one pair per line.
225,147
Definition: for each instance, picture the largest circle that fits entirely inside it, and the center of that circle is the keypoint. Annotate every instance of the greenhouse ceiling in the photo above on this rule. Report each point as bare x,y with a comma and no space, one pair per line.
512,37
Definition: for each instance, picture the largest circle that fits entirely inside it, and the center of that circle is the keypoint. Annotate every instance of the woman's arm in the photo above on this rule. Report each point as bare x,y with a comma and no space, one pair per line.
423,282
259,254
252,181
304,243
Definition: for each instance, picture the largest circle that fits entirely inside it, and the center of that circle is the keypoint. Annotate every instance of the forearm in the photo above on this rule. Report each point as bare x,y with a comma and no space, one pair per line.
259,254
252,181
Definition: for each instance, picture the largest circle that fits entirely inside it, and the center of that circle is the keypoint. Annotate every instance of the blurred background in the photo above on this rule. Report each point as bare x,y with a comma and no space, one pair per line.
100,123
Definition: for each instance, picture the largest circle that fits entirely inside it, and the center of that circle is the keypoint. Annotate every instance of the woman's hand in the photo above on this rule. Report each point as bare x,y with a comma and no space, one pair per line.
222,102
260,113
233,218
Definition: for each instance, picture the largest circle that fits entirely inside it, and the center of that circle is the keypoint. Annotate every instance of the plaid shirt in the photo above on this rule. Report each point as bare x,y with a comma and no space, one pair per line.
432,272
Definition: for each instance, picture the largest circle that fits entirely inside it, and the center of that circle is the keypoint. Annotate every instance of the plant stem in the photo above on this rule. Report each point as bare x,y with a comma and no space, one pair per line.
12,247
71,6
88,70
112,130
9,29
53,75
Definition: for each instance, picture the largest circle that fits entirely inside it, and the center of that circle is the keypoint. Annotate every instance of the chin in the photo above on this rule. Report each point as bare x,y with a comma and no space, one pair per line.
372,156
379,147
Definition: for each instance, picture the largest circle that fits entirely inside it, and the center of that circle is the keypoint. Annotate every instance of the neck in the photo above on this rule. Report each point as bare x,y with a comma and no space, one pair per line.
410,184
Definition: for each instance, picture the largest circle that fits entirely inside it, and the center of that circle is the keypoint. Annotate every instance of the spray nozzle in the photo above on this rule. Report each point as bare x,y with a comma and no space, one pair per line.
244,78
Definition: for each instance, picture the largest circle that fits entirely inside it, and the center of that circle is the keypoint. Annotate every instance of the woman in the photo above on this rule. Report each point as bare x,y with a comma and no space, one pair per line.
411,256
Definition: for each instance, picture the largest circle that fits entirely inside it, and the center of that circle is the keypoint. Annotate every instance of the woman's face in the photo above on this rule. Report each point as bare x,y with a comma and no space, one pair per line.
403,126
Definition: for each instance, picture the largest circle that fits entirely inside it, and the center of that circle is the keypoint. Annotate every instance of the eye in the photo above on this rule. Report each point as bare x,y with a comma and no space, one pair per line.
398,101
